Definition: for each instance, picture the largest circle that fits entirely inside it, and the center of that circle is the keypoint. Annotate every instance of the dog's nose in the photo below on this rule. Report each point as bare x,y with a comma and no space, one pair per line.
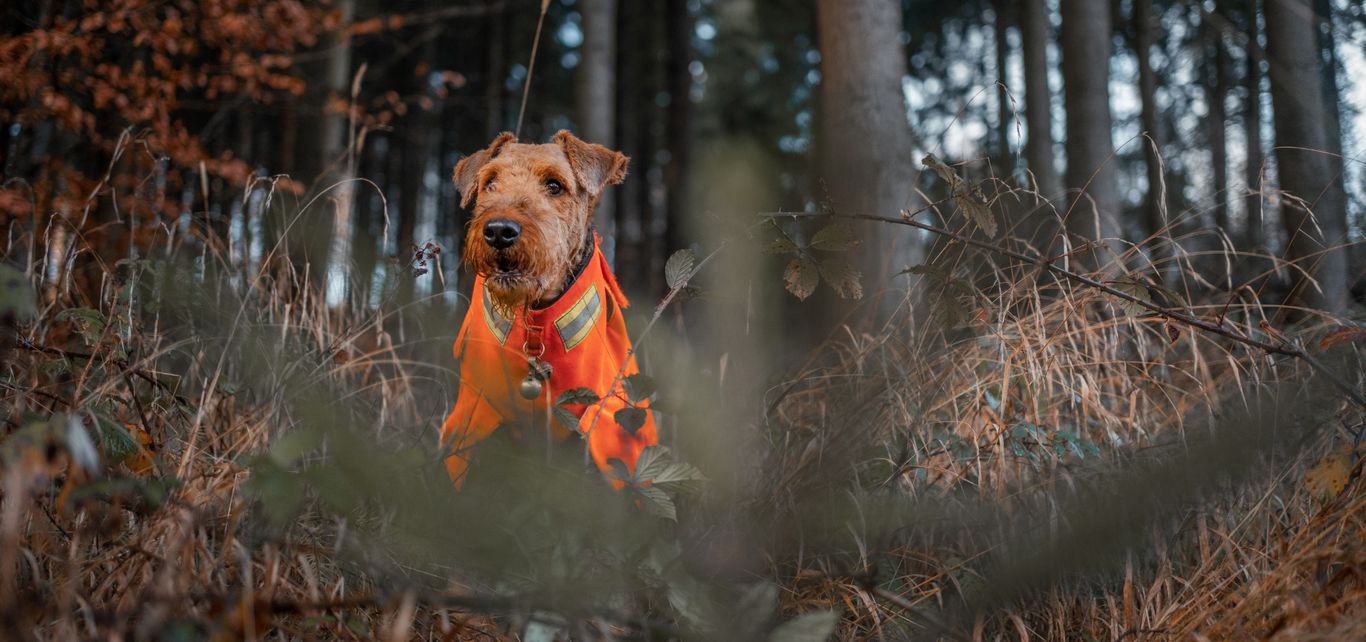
500,234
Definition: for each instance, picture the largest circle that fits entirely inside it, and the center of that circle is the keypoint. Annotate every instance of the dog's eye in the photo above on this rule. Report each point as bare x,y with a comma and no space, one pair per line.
554,187
488,187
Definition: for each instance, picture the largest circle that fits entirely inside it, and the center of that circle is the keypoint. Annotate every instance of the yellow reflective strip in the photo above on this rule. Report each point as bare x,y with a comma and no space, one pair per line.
500,330
580,318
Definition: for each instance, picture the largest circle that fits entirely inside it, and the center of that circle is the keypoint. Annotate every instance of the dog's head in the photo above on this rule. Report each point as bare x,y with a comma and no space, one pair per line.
533,205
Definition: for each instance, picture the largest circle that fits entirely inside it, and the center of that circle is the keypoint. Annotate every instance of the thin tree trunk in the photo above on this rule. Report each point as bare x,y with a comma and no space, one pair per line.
1004,121
1095,207
1335,198
1217,89
866,155
597,78
1155,219
334,143
1255,234
679,136
626,212
1315,228
1034,39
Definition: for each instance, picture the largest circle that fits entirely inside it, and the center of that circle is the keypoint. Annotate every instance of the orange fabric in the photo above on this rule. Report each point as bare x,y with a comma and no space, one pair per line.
586,355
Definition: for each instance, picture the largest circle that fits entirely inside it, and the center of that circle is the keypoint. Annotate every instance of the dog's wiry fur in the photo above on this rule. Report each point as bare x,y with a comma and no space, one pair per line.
511,181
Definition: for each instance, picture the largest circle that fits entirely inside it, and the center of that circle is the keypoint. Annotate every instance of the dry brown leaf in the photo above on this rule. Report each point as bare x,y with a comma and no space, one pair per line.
801,277
1328,477
1342,334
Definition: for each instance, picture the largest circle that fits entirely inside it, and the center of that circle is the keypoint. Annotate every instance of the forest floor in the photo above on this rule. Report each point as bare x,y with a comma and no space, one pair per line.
166,475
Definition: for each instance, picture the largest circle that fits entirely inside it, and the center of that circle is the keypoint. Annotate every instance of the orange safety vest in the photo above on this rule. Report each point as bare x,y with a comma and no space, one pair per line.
585,341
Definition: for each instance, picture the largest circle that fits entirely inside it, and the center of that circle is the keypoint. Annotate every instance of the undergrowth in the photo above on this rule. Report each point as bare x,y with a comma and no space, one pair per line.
196,447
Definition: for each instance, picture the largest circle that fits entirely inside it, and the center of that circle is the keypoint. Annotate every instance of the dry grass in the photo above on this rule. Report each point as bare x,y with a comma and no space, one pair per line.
1039,393
1036,388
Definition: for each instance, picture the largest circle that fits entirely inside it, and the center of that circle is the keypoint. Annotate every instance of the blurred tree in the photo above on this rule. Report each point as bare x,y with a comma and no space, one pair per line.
1314,221
866,154
680,25
1039,152
1001,46
1255,235
1085,38
1143,25
1216,87
597,77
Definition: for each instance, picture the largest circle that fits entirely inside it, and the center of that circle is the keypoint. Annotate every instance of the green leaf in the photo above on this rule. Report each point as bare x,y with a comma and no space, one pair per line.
630,418
843,278
639,387
801,277
577,396
89,323
358,626
114,438
566,418
1170,298
655,470
1136,290
280,491
658,503
295,444
618,471
816,626
17,299
651,462
836,237
679,268
55,366
780,245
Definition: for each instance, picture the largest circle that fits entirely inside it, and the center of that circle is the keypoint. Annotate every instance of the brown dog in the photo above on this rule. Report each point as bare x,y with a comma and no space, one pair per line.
545,313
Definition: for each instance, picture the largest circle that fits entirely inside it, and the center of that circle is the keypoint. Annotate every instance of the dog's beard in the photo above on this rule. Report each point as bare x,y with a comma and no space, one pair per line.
513,282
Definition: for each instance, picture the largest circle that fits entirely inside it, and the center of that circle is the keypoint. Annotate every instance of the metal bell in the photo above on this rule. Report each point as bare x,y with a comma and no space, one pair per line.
537,373
531,387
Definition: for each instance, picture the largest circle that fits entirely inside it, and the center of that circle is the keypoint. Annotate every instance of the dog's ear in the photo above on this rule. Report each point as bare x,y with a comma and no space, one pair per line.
595,167
468,168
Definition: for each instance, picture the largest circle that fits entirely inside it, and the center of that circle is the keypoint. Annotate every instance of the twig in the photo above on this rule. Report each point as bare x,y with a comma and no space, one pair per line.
1285,348
531,67
659,311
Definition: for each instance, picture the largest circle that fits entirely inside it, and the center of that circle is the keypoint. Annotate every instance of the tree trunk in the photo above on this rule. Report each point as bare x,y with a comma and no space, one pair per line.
679,136
867,157
1094,210
1306,172
1004,121
1255,234
1155,219
1038,101
597,77
1335,198
333,144
1217,91
632,74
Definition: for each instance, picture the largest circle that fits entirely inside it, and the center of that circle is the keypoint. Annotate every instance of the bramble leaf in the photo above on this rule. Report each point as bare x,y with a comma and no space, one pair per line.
631,419
639,387
679,268
577,396
843,278
836,237
801,277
